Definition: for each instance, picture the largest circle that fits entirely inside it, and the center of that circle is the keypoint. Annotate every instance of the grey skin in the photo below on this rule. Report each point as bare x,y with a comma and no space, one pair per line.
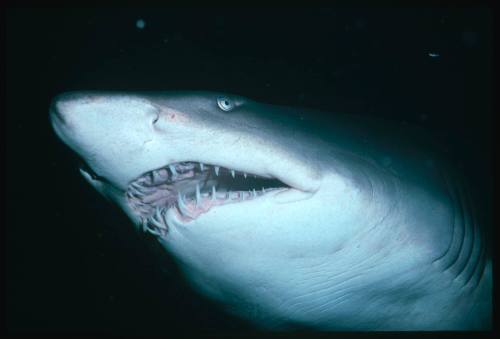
373,231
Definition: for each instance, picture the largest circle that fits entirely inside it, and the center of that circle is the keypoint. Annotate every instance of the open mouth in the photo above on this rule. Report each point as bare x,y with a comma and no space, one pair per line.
191,189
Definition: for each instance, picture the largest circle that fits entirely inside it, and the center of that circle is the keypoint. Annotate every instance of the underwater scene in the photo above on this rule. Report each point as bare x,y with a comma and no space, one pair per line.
237,171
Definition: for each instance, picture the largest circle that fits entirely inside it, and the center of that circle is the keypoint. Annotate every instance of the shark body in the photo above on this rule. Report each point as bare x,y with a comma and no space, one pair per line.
283,222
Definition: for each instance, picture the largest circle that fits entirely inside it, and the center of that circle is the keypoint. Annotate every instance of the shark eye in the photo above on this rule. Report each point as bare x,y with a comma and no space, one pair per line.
225,103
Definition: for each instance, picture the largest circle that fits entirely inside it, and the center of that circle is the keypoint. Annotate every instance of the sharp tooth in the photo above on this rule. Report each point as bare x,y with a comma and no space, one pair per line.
157,223
216,168
214,193
154,232
135,196
135,191
141,180
263,190
158,213
182,206
198,195
232,173
136,185
201,166
159,217
172,169
156,176
164,216
245,175
254,193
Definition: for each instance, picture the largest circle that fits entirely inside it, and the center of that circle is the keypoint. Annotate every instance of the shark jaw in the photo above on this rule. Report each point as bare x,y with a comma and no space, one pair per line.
190,189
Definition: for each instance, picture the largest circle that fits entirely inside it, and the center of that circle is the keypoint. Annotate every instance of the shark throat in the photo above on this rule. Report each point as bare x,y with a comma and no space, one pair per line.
191,189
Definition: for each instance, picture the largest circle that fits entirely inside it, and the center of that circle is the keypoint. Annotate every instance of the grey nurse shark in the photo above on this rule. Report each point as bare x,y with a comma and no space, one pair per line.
287,223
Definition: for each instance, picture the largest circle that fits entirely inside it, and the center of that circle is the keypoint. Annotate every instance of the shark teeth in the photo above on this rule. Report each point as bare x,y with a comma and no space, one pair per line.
156,224
157,218
190,189
182,206
198,194
184,170
172,169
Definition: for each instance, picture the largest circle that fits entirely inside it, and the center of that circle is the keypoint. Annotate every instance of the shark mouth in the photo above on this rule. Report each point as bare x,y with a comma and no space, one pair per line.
191,189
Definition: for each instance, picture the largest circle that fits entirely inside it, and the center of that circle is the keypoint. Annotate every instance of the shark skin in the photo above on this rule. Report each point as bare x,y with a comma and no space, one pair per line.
354,225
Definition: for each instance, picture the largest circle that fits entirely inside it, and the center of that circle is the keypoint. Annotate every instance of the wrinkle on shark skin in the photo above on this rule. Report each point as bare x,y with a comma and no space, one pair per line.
285,221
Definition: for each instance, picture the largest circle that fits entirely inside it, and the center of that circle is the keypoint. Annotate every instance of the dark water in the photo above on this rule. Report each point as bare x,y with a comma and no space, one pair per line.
74,263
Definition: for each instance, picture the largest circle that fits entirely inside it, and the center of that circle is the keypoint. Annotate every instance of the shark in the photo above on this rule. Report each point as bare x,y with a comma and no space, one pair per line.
286,219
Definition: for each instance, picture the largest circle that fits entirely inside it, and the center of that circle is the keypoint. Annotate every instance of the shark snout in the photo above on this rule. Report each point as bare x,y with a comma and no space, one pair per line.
59,112
65,104
55,110
75,117
62,106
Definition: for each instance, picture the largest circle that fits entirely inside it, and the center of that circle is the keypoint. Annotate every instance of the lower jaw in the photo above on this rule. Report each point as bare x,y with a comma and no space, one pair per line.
157,223
192,210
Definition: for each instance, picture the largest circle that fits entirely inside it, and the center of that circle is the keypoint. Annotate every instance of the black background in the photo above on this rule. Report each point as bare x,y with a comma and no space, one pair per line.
74,263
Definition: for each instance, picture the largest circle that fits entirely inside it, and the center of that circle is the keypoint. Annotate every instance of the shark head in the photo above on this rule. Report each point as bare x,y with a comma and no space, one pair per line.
280,224
209,172
210,161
